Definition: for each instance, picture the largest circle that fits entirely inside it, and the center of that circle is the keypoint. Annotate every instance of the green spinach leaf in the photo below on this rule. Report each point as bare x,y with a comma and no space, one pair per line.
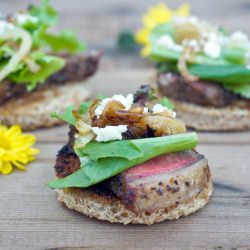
125,155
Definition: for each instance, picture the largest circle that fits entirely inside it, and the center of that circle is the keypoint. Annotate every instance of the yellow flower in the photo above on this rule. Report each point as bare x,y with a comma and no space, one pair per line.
158,14
15,148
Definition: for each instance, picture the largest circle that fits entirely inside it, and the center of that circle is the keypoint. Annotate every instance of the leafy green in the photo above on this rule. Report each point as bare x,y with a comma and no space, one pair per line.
48,64
165,102
66,40
46,14
228,74
242,89
68,117
84,106
111,158
235,78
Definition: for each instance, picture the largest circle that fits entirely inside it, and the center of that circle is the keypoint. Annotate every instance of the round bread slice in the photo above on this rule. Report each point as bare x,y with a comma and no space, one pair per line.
34,109
110,208
231,118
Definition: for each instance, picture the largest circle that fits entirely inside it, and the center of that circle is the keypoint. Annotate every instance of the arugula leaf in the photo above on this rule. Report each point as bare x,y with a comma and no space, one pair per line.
64,41
111,158
165,102
241,89
235,78
46,14
227,74
66,116
84,107
48,64
127,149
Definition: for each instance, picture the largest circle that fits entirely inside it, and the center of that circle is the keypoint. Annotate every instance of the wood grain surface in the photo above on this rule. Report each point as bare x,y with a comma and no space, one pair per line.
31,217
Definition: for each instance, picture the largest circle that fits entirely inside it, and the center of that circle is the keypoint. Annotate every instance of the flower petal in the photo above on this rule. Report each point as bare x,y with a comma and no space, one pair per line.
6,168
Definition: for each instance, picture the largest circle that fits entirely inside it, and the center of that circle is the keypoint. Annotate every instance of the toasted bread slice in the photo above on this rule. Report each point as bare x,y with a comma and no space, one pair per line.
110,208
230,118
34,109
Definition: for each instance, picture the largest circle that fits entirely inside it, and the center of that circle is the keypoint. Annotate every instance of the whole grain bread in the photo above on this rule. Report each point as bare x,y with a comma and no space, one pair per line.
34,110
113,210
230,118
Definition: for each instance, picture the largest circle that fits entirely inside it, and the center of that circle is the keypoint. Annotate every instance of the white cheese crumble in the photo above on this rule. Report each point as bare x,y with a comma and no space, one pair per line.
159,108
169,43
239,36
24,18
125,101
109,133
101,107
145,110
194,44
212,49
239,40
5,27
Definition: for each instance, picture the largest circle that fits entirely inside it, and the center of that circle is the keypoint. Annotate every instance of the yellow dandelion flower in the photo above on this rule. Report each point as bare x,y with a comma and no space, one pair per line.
15,148
158,14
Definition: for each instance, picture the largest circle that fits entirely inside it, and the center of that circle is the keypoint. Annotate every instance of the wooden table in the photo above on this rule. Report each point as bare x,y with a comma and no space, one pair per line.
30,216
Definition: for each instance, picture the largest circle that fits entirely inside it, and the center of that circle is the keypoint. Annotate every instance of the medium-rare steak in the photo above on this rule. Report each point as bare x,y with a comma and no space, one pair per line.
77,68
199,92
161,182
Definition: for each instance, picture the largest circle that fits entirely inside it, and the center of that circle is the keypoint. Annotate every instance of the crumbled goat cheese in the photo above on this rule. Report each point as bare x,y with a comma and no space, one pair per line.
239,40
101,107
240,36
5,27
23,18
109,133
212,49
159,108
145,110
194,44
125,101
169,43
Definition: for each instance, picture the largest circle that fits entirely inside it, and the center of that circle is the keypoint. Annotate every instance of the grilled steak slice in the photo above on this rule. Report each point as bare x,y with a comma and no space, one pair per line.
77,68
199,92
162,182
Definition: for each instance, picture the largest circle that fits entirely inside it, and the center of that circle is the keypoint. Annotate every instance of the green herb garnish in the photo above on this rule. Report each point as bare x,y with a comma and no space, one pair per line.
165,102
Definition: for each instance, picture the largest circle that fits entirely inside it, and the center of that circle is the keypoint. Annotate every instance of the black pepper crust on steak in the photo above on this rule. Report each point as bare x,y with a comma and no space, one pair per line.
200,92
77,68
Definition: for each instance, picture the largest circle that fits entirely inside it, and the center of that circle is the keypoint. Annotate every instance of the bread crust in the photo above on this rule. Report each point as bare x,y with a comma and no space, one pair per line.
113,210
230,118
34,110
